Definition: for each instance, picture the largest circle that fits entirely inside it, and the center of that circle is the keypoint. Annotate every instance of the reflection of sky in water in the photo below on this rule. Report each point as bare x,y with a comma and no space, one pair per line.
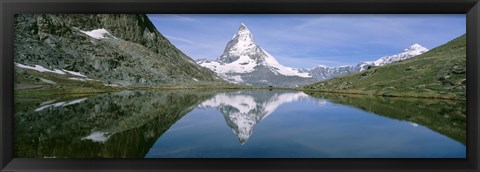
297,126
258,123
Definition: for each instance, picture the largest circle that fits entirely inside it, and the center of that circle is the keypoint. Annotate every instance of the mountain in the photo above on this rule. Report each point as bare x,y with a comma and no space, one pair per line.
243,110
438,73
412,51
323,73
108,49
243,61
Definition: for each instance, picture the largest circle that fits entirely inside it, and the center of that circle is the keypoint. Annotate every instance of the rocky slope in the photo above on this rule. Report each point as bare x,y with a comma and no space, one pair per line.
438,73
113,49
321,72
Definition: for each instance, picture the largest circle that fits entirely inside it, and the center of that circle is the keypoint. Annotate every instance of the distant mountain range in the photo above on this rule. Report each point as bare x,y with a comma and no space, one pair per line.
438,73
244,62
323,73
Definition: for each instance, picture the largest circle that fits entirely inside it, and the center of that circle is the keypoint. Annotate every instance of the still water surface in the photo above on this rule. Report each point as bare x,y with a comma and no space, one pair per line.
239,124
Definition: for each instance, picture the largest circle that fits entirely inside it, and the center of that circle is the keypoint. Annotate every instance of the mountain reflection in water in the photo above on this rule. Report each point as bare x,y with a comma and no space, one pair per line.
242,110
197,124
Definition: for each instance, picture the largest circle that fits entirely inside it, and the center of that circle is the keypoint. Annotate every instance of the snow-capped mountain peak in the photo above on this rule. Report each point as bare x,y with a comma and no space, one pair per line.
241,44
244,35
322,66
243,61
243,31
322,73
411,51
415,46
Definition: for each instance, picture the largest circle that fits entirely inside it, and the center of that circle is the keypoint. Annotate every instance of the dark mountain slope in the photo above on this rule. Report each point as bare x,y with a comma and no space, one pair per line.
121,49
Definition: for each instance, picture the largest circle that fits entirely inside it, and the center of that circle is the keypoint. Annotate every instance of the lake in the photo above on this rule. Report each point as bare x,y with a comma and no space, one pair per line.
238,124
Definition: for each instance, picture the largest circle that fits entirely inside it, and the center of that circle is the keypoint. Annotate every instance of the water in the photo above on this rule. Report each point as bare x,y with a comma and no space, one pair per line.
239,124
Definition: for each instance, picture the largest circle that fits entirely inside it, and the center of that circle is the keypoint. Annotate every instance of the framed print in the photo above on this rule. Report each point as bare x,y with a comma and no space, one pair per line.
209,85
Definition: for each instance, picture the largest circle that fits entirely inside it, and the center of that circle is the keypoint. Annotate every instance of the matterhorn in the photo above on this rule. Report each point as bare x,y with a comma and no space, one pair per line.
244,62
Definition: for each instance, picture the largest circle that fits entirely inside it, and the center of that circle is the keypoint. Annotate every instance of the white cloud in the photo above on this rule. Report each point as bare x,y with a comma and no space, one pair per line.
179,39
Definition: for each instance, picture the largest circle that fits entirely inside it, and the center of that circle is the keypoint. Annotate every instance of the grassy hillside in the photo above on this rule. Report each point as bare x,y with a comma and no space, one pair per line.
438,73
31,83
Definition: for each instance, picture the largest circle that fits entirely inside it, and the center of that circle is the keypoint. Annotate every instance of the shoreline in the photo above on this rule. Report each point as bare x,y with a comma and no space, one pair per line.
380,95
26,93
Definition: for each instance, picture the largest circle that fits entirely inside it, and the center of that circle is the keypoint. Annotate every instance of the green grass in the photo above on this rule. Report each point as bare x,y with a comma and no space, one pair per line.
32,83
438,73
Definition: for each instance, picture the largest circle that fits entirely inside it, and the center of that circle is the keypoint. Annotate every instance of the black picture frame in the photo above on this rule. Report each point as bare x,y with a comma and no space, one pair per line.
9,8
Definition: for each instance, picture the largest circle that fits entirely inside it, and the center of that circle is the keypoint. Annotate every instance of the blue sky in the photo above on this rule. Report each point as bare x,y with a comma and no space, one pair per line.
309,40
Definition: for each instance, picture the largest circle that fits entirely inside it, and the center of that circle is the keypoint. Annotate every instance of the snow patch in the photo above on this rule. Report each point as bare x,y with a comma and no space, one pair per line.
39,68
75,101
47,81
242,65
74,73
97,33
322,66
81,79
96,136
111,85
